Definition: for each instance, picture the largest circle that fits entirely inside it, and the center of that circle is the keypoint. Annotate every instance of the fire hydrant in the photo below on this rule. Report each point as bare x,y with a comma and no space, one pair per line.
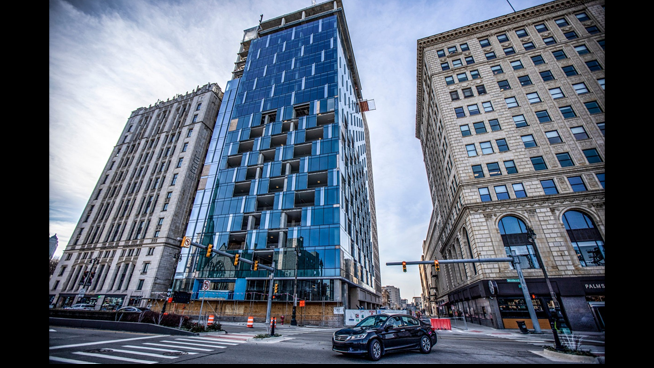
282,320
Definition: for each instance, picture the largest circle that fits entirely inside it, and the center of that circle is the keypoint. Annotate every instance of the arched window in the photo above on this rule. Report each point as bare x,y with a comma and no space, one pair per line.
514,237
585,238
474,268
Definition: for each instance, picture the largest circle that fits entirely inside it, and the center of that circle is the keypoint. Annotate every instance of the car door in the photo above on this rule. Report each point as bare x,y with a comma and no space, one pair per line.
390,332
411,333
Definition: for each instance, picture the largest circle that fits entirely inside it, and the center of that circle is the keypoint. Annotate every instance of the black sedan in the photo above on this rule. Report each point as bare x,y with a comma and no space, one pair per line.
378,334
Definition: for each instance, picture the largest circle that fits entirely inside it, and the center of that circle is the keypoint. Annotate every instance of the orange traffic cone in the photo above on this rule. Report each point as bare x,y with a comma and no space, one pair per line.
251,322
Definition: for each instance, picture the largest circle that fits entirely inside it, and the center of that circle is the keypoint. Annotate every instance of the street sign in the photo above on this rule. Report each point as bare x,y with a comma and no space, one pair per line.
186,242
81,293
512,280
205,285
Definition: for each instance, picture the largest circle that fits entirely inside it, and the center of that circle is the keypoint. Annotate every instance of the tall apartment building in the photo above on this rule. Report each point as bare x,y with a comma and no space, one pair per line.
124,248
510,116
288,175
394,300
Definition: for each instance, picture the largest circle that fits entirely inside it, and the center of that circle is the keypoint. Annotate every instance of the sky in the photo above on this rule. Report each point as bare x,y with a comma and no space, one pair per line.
107,58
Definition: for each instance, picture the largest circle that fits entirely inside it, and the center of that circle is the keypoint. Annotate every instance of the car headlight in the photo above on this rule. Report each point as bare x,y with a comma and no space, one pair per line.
357,337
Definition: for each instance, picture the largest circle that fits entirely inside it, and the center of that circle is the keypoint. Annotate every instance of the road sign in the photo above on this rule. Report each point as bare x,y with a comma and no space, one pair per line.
186,242
512,280
301,303
205,285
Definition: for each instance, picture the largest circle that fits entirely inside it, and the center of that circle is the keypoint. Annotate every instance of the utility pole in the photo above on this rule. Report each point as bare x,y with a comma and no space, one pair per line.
297,257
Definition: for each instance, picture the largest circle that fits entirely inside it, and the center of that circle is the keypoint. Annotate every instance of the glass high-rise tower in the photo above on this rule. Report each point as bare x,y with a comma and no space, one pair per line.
288,174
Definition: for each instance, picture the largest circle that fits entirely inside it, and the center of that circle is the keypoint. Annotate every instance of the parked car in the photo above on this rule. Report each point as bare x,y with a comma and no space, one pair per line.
131,309
81,306
376,335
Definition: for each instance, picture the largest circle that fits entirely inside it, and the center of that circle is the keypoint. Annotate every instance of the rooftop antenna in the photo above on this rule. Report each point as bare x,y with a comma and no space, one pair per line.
510,5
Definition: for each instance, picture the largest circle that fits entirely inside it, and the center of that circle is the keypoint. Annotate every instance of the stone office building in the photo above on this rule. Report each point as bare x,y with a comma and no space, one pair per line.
124,248
510,116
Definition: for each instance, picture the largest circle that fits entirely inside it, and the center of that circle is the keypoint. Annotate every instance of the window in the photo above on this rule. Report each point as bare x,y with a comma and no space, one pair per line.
569,70
582,17
459,112
456,63
539,163
593,107
190,132
514,238
467,92
593,65
486,148
140,285
472,151
493,169
533,97
549,187
519,190
577,184
601,43
543,116
465,130
580,88
559,54
579,133
469,60
528,45
451,50
501,192
504,85
150,251
586,240
600,81
582,49
473,109
567,112
561,22
484,42
198,108
556,93
494,124
174,180
509,165
145,267
477,171
524,80
521,33
549,40
195,118
600,178
537,60
509,51
449,80
474,74
454,95
517,64
520,121
445,66
481,89
528,141
553,137
592,29
185,147
488,106
479,127
564,159
490,55
511,102
601,127
571,35
484,194
464,47
591,155
501,145
179,163
540,28
440,53
497,69
502,38
462,77
546,75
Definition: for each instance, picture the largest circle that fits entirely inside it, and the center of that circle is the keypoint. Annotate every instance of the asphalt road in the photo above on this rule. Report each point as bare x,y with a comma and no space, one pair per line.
296,346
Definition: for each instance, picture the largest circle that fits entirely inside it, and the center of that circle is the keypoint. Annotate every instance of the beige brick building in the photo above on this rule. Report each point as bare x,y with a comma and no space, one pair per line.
126,238
510,116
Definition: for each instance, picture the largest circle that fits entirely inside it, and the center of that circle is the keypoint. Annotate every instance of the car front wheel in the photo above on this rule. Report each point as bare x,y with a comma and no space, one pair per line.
425,344
374,350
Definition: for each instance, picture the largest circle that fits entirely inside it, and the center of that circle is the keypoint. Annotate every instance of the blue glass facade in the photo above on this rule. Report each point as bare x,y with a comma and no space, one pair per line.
286,173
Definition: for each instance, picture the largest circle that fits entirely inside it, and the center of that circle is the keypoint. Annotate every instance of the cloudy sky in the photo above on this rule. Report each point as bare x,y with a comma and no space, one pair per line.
110,57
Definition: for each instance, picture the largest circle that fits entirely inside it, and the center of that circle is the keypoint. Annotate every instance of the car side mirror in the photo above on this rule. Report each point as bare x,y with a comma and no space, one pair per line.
387,327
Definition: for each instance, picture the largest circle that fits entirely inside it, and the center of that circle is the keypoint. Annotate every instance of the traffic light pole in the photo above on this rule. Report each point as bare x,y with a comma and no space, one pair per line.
513,259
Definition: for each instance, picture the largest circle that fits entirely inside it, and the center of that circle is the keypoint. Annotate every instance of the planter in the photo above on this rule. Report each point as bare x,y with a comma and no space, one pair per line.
570,357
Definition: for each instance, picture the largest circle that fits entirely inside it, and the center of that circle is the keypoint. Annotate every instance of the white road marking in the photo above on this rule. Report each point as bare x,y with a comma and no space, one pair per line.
105,356
187,343
174,346
70,361
102,342
157,349
146,354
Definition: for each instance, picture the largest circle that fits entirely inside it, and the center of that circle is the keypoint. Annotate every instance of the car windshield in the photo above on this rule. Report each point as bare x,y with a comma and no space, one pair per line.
372,322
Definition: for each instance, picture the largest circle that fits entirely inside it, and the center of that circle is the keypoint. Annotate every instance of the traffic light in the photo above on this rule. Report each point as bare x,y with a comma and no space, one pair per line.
276,285
404,266
256,266
236,259
438,267
209,248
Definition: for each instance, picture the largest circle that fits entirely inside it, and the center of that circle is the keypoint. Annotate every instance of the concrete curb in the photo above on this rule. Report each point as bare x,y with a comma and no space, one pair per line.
570,357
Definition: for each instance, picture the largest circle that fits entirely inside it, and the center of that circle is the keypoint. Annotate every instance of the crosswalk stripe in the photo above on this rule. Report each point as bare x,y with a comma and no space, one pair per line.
215,340
146,354
157,349
101,342
175,346
70,361
105,356
187,343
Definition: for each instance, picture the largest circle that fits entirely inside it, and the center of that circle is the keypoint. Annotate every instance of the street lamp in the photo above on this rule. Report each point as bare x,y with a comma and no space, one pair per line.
297,257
